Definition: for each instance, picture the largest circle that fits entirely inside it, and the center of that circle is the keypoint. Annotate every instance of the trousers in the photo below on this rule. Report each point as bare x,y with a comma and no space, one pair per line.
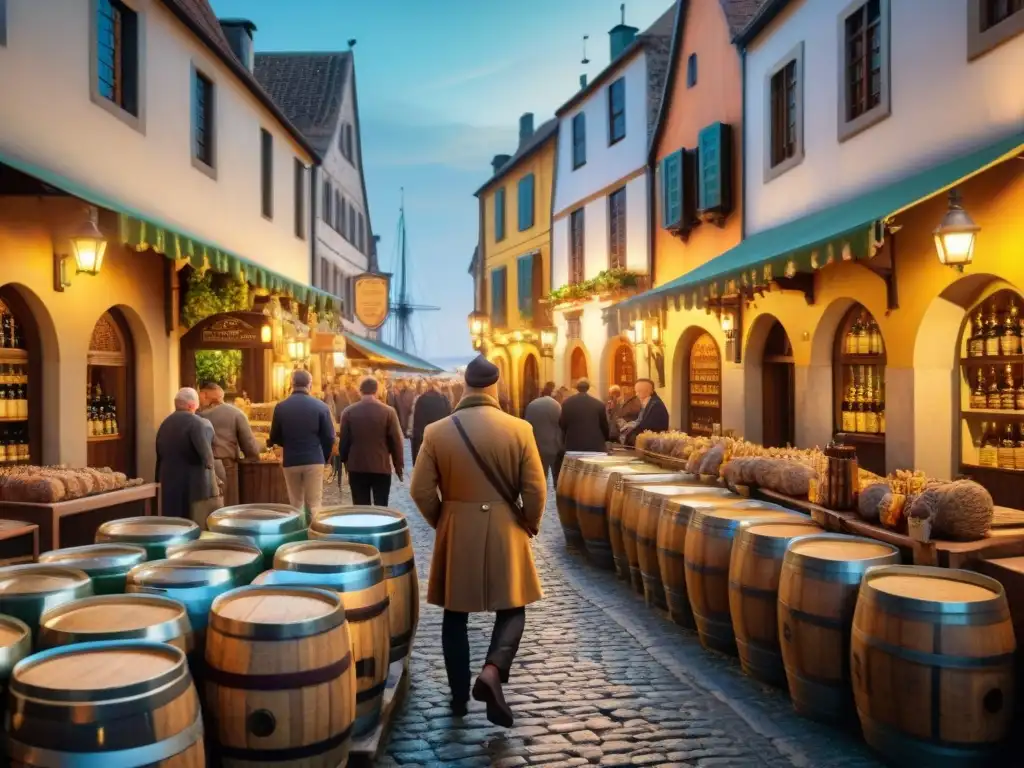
370,485
552,462
508,631
305,486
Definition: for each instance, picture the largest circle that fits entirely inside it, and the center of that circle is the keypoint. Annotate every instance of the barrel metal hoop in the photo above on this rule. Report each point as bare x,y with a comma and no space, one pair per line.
371,693
394,571
367,612
644,541
596,511
893,742
759,592
281,682
149,754
670,553
400,640
928,659
825,622
288,754
714,570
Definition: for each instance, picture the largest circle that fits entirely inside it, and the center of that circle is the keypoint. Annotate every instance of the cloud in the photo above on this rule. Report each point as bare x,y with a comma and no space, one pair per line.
388,143
464,77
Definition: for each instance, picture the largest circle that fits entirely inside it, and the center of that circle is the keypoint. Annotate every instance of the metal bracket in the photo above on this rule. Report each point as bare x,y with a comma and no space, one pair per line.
802,281
883,264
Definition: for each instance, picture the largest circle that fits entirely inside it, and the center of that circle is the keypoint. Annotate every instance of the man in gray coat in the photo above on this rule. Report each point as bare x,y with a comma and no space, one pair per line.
184,457
232,435
584,421
543,415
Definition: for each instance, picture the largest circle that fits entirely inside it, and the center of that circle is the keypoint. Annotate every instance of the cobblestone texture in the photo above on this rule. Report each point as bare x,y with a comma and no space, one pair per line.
600,680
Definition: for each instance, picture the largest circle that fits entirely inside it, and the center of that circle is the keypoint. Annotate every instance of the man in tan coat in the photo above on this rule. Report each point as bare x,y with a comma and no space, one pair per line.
483,559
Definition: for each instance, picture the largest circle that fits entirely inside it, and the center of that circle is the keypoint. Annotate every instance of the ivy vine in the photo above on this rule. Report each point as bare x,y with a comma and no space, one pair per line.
606,282
210,294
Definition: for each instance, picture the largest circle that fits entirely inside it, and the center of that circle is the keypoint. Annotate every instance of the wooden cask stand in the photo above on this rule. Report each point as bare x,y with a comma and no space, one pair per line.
367,750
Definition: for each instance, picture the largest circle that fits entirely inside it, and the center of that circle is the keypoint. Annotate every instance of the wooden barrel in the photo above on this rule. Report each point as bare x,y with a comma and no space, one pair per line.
268,525
648,518
118,617
616,507
754,571
241,556
388,531
123,703
28,591
818,587
154,534
106,564
707,551
356,572
932,662
195,585
261,482
565,495
591,505
280,688
15,645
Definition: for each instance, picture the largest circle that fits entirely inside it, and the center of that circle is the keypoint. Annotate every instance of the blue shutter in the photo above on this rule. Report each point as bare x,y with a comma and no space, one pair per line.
525,202
499,214
525,286
714,160
498,295
671,190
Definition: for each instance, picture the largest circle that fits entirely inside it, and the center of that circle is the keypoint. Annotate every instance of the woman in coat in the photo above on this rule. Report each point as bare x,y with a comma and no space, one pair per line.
483,560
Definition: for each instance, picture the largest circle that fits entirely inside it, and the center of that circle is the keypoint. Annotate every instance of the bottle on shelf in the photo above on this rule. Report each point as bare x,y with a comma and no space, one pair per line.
880,403
992,332
1007,393
1018,449
979,398
993,398
848,420
870,414
5,403
863,335
988,454
859,413
875,345
6,327
1018,395
1009,342
976,343
1004,453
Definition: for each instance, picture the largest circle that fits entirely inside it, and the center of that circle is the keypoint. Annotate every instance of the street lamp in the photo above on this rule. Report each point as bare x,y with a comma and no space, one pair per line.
266,333
955,236
728,321
89,245
548,339
479,324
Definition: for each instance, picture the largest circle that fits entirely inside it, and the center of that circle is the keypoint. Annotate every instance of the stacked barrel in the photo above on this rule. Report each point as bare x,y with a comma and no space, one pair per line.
923,656
164,645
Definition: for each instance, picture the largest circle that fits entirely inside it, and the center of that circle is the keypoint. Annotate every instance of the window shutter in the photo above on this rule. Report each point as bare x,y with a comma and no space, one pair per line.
525,202
498,297
672,189
525,287
714,169
499,214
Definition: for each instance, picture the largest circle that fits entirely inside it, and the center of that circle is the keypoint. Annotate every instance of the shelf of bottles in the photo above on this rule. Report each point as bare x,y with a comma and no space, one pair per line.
992,382
101,415
14,391
861,368
705,390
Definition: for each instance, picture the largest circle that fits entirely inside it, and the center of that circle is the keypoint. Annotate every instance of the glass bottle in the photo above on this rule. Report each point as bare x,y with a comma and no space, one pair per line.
988,455
979,400
1009,342
108,417
992,332
875,342
851,337
6,334
976,343
1007,392
1018,396
4,404
994,400
846,423
1018,449
1004,454
880,403
863,336
870,414
859,413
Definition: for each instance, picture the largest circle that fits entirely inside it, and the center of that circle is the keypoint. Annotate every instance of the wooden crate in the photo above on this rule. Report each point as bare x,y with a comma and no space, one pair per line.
261,482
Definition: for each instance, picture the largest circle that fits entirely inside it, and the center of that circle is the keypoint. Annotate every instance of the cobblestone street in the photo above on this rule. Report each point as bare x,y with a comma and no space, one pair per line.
602,680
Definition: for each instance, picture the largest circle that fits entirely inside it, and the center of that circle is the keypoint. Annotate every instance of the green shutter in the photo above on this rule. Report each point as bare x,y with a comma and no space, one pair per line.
525,202
498,296
525,286
671,190
714,169
499,214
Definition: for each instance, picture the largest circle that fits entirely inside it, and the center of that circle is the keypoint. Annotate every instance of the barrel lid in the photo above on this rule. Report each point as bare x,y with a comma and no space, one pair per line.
178,574
103,614
358,520
214,536
729,515
255,519
96,559
841,548
924,593
660,489
13,631
640,468
326,556
39,579
147,530
98,671
781,529
661,477
276,612
228,552
607,459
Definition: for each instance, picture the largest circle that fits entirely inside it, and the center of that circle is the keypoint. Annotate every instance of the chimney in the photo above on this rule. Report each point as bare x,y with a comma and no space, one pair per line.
525,128
621,35
239,35
499,162
583,82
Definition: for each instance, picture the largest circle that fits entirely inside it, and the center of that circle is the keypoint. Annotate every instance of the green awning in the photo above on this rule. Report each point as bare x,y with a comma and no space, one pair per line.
381,355
141,232
842,232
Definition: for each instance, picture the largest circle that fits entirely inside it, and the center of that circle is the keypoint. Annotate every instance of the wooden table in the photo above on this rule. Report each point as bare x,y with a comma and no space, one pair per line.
19,542
72,523
1000,542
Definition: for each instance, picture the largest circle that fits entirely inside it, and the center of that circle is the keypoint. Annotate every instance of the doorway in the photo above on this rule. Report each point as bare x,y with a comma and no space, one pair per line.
531,381
778,390
577,366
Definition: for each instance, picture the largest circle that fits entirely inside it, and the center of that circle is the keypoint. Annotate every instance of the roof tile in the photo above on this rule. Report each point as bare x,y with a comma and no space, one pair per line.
738,13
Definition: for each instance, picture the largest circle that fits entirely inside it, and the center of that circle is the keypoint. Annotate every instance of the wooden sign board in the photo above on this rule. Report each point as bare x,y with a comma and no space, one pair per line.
231,329
372,299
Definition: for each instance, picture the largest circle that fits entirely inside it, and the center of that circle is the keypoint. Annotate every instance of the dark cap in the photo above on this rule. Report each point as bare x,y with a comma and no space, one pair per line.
481,373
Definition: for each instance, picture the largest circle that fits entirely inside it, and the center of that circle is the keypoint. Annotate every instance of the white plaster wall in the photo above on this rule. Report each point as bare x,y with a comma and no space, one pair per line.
946,103
605,164
48,119
560,252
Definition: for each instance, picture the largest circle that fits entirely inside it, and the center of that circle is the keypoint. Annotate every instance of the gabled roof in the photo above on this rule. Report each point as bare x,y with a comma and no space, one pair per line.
199,17
547,131
660,29
739,13
762,18
309,88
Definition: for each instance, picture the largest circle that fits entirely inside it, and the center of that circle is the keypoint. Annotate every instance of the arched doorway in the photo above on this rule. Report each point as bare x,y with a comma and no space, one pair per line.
702,372
110,398
624,369
21,385
531,381
577,366
778,389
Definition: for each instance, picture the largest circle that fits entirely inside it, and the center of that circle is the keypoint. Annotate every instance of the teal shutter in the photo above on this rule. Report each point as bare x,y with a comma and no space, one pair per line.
499,314
714,169
672,190
525,286
525,202
499,214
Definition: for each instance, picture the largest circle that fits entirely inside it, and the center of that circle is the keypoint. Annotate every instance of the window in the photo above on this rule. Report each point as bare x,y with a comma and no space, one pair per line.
352,224
202,118
267,172
617,111
499,295
784,114
340,213
525,202
361,234
579,141
672,190
300,199
524,286
499,215
116,77
574,330
3,22
990,23
325,274
617,229
327,204
576,266
864,68
691,70
350,153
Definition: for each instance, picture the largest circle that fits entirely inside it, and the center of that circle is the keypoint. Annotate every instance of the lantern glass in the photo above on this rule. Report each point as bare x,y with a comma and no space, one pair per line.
728,323
339,360
639,331
89,252
548,337
656,333
956,234
266,334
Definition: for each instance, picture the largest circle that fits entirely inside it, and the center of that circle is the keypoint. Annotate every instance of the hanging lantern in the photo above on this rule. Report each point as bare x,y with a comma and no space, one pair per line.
266,333
956,234
89,245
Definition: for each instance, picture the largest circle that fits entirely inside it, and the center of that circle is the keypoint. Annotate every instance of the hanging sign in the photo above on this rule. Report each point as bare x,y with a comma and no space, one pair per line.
230,329
372,299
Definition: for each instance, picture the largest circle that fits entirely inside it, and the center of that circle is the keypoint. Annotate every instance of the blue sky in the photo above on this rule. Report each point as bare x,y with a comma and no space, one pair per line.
442,84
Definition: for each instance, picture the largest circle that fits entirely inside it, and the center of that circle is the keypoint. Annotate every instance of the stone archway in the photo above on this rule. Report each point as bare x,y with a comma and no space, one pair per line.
694,396
530,381
577,365
778,389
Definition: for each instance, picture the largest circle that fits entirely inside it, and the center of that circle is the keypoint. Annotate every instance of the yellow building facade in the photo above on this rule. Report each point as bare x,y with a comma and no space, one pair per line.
514,259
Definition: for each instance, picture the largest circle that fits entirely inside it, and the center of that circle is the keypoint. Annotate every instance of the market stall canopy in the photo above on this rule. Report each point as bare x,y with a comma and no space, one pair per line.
377,354
142,232
845,231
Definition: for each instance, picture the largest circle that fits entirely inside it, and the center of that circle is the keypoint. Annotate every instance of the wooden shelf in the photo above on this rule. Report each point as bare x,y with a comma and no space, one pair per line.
8,356
102,438
974,362
968,468
847,359
993,412
862,437
13,421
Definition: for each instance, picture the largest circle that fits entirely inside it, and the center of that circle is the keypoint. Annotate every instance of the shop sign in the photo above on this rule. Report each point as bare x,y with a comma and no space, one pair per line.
372,299
231,329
